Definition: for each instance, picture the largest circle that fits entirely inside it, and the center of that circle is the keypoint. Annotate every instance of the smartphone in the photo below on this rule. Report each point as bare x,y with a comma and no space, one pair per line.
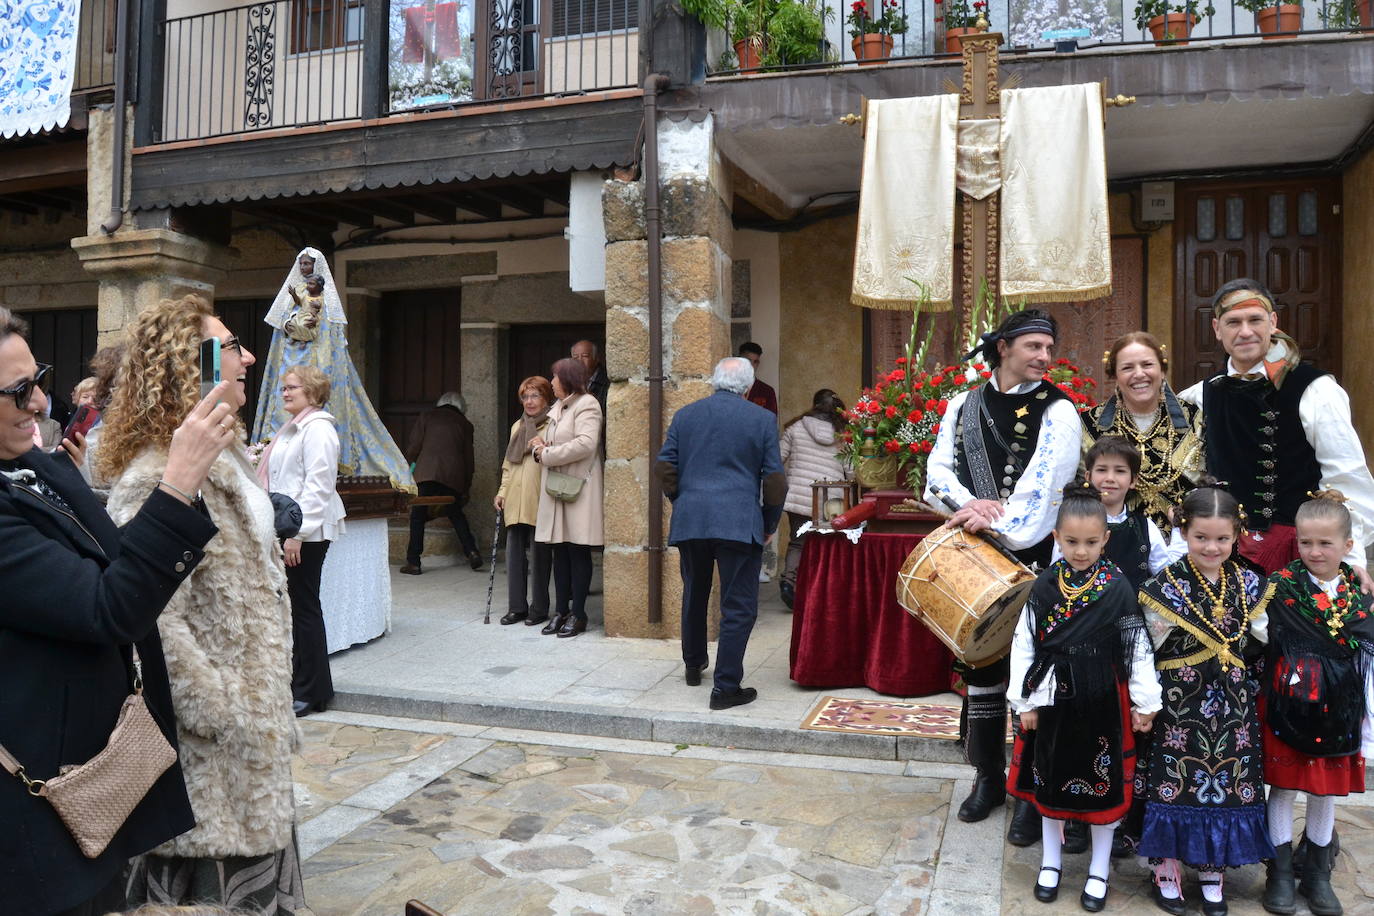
209,365
81,422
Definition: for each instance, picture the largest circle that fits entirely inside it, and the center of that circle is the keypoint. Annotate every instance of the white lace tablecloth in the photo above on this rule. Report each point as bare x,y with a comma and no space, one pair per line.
355,589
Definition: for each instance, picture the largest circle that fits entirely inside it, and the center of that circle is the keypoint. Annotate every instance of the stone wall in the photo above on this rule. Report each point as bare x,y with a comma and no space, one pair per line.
1357,302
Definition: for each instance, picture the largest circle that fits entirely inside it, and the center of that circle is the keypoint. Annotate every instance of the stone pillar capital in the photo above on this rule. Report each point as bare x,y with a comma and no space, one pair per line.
148,253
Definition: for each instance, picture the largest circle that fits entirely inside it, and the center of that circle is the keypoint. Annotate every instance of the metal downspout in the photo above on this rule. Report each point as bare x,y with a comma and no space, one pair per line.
653,85
116,218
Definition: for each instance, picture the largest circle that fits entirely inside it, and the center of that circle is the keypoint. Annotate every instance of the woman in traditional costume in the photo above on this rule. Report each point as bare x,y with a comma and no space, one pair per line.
1085,672
1204,802
365,446
1319,691
1145,412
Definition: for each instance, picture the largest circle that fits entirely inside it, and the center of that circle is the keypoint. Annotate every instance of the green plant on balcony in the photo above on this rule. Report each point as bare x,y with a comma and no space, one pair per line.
890,21
1146,10
1339,14
1254,6
772,33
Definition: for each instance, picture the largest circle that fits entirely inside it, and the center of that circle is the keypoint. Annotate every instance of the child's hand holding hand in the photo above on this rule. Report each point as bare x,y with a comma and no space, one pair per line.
1030,719
1141,721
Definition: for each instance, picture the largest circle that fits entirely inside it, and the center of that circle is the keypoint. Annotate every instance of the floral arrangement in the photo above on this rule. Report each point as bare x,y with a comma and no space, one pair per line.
961,14
1146,10
891,21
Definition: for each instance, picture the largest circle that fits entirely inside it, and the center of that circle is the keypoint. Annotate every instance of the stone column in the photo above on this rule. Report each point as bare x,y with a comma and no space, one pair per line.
145,260
483,381
696,334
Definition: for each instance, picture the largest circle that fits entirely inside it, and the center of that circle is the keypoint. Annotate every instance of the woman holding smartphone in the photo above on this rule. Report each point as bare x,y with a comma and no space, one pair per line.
227,632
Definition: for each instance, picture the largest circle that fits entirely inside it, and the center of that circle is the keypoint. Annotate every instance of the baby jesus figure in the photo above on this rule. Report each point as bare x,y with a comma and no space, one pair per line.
303,323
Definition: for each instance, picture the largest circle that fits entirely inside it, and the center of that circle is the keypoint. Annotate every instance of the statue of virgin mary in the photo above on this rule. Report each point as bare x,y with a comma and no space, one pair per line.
365,446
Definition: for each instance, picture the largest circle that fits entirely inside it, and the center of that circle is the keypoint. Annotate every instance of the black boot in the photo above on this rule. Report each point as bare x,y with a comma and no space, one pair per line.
1278,882
1076,838
1316,880
985,743
1300,852
1026,827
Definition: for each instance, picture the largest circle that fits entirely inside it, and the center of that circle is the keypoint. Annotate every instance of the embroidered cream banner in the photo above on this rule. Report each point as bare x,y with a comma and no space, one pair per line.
906,203
1056,239
979,171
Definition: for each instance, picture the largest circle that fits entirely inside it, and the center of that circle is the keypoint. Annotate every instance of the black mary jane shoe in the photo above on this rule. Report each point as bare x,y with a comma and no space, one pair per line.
513,617
1208,907
1175,905
1088,901
573,627
555,623
1047,894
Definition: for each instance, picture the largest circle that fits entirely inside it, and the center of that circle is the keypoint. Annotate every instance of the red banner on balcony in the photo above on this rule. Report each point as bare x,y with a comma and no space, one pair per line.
436,29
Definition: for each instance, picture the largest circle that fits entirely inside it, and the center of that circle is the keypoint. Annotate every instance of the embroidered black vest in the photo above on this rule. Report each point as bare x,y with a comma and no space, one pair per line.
1129,547
1255,442
1017,419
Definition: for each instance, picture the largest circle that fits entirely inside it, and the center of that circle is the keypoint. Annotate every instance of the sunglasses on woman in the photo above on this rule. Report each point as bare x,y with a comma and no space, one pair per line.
23,391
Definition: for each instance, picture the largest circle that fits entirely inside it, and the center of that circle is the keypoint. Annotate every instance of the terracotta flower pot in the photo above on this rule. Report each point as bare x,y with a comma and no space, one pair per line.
748,50
1177,25
952,36
872,48
1286,17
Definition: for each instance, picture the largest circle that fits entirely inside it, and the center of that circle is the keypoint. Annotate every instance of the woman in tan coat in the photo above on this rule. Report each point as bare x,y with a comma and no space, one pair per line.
518,498
571,446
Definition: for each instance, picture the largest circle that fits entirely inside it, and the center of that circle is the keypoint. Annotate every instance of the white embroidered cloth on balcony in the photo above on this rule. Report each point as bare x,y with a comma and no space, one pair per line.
906,203
1056,240
37,62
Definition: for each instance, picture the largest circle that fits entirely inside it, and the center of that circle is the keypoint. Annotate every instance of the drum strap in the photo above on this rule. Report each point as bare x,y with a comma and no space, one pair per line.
975,450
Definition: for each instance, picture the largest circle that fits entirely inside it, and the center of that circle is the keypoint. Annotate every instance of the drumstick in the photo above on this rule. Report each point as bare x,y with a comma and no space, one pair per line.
989,535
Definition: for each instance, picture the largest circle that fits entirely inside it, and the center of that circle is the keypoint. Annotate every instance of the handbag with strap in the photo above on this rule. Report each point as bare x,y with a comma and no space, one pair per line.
95,798
563,487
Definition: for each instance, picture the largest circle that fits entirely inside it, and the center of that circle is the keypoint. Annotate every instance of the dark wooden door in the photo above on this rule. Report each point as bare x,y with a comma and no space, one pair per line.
421,354
244,318
1285,234
534,348
64,339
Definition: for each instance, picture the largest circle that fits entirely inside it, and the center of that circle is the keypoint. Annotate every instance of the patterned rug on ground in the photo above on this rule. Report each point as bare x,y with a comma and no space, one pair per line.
884,717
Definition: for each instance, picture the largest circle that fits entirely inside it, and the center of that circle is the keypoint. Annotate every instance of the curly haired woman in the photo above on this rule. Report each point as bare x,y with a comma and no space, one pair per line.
226,632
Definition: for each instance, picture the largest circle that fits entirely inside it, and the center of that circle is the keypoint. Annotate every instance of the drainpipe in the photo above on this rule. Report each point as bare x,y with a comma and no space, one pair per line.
653,85
116,218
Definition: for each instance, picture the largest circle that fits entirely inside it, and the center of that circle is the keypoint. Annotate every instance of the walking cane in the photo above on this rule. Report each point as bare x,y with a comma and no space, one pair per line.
491,576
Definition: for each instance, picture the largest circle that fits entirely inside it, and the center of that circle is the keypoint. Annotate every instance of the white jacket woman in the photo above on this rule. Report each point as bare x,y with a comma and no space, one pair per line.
304,464
810,449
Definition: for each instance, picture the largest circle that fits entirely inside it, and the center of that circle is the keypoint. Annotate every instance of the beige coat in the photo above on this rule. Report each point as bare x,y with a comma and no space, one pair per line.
574,447
227,637
520,483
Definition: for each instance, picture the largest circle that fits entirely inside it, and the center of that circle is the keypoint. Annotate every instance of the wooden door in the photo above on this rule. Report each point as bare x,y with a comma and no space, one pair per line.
533,350
64,339
421,354
244,319
1286,235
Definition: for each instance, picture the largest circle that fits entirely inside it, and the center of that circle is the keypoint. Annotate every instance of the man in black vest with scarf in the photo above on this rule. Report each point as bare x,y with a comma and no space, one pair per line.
1276,428
1004,453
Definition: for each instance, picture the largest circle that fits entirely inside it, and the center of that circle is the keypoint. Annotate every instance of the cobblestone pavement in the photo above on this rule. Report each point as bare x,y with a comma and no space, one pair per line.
475,820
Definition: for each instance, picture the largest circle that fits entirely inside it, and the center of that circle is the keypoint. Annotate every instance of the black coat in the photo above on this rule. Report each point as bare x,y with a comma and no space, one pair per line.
76,592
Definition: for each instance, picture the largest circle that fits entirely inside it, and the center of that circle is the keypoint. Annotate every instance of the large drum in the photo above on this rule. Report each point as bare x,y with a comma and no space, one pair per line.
966,591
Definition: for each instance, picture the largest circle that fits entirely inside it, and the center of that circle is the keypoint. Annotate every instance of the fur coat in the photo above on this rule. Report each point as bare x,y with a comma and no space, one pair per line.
226,634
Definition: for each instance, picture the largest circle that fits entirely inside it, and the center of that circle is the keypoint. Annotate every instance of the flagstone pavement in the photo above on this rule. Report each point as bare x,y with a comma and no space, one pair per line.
490,770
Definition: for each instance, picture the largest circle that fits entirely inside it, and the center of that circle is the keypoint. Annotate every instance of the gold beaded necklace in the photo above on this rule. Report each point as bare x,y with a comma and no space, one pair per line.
1154,476
1074,592
1214,620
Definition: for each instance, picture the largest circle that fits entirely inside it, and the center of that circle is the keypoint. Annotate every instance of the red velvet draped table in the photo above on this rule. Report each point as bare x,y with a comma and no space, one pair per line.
848,629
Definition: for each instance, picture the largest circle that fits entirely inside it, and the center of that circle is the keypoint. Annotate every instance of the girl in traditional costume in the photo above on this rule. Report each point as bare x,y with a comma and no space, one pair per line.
1318,693
304,336
1082,676
1205,786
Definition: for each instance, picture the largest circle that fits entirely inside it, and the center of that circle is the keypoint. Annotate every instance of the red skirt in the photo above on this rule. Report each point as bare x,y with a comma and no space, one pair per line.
1286,768
1110,815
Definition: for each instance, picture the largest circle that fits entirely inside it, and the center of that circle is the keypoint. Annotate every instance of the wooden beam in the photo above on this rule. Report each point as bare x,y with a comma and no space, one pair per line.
298,214
53,201
18,206
481,206
427,206
37,168
346,212
554,191
526,201
757,194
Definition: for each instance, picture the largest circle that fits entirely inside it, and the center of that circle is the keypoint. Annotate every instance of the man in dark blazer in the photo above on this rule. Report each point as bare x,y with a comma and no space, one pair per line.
721,452
440,445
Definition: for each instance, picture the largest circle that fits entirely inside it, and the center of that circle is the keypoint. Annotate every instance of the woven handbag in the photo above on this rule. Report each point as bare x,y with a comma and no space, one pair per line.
97,797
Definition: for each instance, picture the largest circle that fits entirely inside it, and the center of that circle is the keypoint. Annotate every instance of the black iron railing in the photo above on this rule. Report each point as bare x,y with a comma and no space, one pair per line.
95,47
288,63
1023,23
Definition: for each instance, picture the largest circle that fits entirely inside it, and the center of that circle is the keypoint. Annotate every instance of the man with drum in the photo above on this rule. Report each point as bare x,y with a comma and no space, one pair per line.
1275,428
1004,454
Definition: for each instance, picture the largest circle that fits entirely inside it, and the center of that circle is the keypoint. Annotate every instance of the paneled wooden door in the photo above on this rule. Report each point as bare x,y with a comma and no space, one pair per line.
534,348
421,354
1287,235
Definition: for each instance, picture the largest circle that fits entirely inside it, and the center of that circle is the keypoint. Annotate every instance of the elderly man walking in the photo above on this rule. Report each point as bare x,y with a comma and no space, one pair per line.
721,452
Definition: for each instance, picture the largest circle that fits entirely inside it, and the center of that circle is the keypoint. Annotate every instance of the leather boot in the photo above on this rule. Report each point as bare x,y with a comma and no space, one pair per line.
1278,882
1076,838
1025,828
985,743
1300,852
1316,880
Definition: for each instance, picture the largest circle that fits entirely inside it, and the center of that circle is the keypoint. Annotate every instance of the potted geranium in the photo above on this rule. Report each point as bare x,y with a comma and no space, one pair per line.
1274,20
872,36
961,17
1170,23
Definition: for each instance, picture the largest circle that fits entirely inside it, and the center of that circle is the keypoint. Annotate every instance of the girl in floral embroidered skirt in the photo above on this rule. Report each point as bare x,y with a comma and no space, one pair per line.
1318,693
1080,660
1205,787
